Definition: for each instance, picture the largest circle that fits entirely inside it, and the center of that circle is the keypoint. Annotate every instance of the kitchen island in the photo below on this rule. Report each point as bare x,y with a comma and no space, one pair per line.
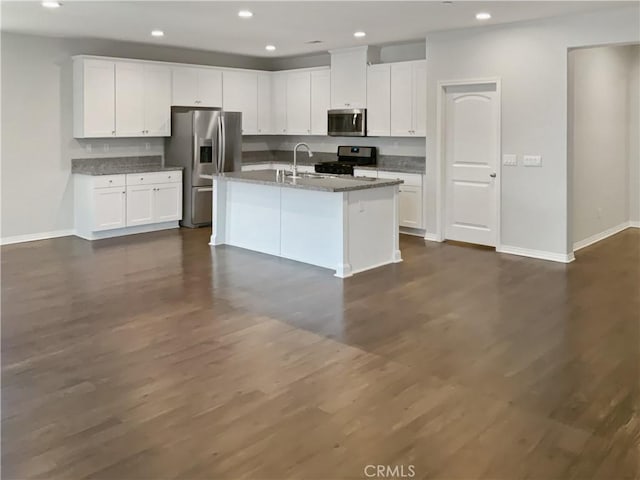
342,223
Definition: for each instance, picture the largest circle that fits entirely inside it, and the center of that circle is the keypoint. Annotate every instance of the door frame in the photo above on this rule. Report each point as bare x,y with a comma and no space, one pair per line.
441,168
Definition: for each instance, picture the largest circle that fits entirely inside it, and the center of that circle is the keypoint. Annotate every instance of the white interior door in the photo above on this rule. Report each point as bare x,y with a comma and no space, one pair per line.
471,143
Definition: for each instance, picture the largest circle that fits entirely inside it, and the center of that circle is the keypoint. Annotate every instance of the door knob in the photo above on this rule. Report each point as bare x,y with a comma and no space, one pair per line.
492,175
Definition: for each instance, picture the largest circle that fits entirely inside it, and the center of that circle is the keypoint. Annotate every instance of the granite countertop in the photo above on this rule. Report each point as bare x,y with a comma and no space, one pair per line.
120,165
323,183
122,169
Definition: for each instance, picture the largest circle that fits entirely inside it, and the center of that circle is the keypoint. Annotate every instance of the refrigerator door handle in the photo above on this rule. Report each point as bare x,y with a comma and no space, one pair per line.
223,146
219,162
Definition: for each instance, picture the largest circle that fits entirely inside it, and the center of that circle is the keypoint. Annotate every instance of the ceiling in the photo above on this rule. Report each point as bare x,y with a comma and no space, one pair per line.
215,25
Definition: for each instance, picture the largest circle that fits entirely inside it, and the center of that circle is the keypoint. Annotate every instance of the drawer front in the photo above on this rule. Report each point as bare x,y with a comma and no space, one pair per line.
414,179
149,178
106,181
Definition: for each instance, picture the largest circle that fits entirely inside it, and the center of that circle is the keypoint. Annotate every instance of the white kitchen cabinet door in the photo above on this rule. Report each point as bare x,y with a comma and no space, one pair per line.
264,103
299,103
109,208
167,202
379,100
184,90
240,94
196,87
401,99
157,101
129,99
419,88
94,104
320,100
349,78
279,103
140,203
410,206
209,88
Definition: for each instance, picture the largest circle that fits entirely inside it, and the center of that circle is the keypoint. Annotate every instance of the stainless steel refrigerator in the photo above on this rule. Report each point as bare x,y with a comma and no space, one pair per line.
203,141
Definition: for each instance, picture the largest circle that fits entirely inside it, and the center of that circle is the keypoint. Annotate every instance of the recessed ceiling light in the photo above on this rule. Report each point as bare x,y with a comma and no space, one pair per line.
359,34
51,4
245,14
157,33
270,48
483,16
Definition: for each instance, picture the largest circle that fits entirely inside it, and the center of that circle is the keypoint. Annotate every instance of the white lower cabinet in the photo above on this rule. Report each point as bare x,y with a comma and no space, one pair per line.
140,199
410,205
110,210
113,205
168,202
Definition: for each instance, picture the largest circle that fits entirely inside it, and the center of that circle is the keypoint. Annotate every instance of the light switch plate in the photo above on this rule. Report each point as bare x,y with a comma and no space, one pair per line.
532,161
510,160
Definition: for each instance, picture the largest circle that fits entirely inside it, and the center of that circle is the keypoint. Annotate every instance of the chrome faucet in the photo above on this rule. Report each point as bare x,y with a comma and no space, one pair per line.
294,171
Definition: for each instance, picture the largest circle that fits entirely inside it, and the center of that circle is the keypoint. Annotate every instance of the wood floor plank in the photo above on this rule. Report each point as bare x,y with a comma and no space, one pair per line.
155,356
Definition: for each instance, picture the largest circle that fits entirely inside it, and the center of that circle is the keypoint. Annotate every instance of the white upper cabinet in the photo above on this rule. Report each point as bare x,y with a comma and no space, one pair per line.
157,100
408,99
349,78
121,99
143,100
320,100
94,107
240,94
264,103
379,100
129,99
420,98
279,103
299,103
401,100
197,87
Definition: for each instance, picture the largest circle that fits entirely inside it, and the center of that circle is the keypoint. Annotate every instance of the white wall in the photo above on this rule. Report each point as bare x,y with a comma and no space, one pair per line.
531,60
634,136
37,139
599,138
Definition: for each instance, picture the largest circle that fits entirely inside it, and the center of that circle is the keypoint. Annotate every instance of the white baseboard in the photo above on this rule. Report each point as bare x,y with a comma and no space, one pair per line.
431,237
416,232
539,254
32,237
120,232
634,223
601,236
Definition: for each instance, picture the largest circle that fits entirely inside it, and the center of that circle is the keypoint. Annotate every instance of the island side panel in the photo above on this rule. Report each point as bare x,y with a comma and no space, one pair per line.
252,218
373,235
311,226
218,211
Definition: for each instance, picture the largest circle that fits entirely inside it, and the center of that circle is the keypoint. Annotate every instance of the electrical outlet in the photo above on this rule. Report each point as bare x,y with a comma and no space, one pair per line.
532,161
87,148
510,160
105,147
147,146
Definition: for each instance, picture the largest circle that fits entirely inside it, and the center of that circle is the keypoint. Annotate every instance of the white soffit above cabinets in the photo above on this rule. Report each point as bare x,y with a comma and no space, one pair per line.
291,25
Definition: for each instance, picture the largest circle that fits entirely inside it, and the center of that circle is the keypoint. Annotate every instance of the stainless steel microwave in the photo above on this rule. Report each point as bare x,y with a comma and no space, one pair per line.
351,122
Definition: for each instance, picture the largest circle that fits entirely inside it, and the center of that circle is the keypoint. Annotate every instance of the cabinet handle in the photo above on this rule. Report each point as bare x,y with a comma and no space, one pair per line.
124,193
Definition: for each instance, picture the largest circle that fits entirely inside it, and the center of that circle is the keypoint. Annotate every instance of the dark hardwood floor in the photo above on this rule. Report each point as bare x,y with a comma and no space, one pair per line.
156,357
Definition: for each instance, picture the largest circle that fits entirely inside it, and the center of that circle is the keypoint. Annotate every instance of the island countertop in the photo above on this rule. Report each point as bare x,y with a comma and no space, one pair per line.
320,182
